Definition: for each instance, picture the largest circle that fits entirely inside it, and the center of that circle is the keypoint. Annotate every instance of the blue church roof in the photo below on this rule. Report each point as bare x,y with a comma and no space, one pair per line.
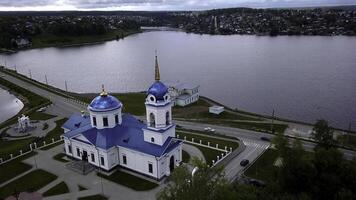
129,135
104,103
158,89
76,121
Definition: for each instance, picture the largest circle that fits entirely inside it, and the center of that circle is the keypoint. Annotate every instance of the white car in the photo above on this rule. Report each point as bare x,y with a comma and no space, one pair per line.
207,129
212,130
41,109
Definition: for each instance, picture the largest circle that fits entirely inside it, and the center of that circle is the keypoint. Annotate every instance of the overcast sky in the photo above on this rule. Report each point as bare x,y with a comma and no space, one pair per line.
158,4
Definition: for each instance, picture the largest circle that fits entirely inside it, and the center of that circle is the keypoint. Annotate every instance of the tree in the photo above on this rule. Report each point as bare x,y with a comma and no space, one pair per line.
281,144
207,183
323,134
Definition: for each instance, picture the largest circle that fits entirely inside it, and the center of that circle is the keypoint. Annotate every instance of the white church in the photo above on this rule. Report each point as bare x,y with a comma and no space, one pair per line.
108,138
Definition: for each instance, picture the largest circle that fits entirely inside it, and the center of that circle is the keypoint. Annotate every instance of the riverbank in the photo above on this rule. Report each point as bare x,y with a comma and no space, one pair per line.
48,40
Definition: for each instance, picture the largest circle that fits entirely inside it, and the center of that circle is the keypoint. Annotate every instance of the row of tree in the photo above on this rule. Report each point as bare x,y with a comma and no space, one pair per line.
323,174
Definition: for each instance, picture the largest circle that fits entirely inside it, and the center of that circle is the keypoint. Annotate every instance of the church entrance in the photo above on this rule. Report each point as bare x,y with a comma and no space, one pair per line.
85,156
171,163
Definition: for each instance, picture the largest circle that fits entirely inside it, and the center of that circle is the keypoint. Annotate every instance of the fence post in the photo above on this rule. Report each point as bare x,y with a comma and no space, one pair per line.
20,152
213,162
10,155
44,143
217,158
177,136
35,145
0,160
52,140
208,144
217,146
30,147
222,155
192,139
225,148
200,141
231,149
185,137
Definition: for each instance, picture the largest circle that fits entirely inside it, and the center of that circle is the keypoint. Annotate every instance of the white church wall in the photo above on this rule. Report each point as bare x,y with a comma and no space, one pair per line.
160,115
159,138
164,161
110,115
138,161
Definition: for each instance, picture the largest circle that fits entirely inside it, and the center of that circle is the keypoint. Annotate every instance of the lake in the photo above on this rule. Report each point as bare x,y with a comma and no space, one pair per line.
300,77
9,105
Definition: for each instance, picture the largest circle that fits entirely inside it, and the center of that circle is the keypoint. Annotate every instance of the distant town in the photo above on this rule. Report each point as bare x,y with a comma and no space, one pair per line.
40,29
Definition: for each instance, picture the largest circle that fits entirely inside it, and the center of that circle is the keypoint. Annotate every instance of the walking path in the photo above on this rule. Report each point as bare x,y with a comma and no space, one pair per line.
193,151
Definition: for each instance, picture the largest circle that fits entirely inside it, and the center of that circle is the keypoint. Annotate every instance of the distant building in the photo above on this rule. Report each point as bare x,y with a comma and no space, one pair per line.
183,94
216,109
107,138
22,43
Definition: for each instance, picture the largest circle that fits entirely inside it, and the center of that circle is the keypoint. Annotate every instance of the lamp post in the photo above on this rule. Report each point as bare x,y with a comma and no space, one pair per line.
272,128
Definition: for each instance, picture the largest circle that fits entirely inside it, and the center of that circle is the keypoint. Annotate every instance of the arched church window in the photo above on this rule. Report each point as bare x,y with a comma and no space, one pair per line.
152,139
167,118
152,98
152,120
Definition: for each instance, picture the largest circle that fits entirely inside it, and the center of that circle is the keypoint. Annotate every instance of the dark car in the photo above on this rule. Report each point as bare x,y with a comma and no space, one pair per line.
257,183
244,162
265,139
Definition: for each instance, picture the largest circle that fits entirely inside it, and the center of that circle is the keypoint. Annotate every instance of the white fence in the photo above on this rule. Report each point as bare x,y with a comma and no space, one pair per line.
32,146
225,152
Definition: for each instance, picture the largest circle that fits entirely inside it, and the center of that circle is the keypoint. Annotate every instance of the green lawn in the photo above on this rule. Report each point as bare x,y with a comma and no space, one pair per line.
59,157
14,168
209,154
14,146
93,197
263,168
60,188
32,181
40,116
185,157
129,180
134,103
205,139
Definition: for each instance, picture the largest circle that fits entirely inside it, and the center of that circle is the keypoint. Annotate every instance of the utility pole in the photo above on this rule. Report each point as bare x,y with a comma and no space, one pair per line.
65,83
30,73
349,134
46,79
272,128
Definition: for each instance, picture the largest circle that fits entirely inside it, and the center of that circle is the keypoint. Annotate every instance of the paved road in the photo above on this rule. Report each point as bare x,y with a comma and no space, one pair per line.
250,135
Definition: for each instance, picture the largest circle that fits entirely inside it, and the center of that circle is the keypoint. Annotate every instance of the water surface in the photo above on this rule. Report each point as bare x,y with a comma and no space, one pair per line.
303,78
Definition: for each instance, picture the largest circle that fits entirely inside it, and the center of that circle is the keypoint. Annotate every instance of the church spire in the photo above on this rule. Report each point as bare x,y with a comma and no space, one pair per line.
157,75
103,92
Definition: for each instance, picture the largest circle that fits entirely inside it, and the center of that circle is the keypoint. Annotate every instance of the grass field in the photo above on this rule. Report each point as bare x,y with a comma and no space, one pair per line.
14,147
31,182
14,168
263,169
129,181
209,154
60,188
205,139
40,116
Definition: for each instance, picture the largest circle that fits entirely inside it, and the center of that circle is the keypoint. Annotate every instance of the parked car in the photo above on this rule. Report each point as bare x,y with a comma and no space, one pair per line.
207,129
257,183
244,162
265,139
212,130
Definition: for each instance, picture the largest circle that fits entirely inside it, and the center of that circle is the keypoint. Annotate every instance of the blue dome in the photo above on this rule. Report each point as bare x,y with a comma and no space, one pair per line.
105,103
158,89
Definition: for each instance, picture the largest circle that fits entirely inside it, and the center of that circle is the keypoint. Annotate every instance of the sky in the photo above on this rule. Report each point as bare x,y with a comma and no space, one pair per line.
154,5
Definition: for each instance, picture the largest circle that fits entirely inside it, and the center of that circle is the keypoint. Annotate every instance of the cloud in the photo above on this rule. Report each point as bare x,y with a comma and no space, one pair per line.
156,4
